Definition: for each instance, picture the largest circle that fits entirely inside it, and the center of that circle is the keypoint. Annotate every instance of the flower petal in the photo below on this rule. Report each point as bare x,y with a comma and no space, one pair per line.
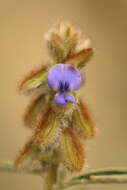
73,77
60,99
65,74
55,76
69,98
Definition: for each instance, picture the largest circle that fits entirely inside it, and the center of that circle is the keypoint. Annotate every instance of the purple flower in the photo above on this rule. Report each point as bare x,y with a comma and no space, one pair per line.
64,78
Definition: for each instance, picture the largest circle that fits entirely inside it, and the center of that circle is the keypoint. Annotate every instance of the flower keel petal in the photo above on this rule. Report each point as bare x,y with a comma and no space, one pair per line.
69,98
60,99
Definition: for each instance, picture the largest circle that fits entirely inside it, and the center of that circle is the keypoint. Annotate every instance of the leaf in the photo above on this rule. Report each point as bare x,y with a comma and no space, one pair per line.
79,59
48,129
83,121
72,150
34,79
36,107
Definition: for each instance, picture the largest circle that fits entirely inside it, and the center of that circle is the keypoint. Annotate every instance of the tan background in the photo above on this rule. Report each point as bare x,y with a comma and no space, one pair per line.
22,47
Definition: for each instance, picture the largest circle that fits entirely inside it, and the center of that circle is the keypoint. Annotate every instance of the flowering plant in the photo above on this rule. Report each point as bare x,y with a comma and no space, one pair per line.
59,119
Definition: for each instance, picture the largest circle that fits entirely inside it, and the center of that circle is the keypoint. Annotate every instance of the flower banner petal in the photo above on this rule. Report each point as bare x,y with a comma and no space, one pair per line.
55,76
64,74
72,77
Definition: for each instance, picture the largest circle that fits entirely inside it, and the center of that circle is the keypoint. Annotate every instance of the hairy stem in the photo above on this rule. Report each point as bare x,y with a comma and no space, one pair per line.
105,176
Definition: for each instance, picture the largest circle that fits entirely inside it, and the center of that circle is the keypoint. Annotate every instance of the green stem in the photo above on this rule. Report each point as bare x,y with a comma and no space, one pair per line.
103,172
51,177
105,176
7,166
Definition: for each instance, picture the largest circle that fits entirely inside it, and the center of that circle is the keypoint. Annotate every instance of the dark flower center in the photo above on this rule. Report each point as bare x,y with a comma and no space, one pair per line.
63,86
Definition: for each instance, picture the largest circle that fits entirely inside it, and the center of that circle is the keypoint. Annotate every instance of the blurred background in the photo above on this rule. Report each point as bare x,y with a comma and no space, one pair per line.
22,48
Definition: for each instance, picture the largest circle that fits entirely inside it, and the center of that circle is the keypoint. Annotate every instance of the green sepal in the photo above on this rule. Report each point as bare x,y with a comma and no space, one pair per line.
34,80
36,107
27,158
73,155
62,45
48,130
79,59
57,48
70,40
83,121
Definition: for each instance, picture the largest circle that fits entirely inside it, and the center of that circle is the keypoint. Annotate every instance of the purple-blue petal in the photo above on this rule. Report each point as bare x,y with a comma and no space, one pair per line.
69,98
64,74
60,99
73,77
55,76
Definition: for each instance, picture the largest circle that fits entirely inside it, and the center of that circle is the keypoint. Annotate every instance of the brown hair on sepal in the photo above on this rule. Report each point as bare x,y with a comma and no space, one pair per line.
26,117
87,115
84,54
41,120
25,149
79,147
